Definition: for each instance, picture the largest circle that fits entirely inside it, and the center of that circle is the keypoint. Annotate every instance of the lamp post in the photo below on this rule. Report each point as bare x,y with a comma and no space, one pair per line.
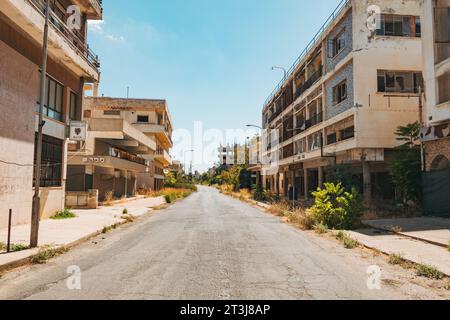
281,68
185,160
35,211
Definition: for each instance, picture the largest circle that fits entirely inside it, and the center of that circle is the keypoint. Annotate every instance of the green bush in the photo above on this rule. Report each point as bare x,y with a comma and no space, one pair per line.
336,208
188,186
64,214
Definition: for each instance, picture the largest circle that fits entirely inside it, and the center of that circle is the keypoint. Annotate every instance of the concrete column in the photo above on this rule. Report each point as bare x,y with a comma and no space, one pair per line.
367,181
321,177
285,184
277,183
294,187
306,182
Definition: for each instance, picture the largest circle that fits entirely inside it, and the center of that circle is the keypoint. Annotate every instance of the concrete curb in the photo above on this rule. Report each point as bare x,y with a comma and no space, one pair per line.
27,260
386,253
405,235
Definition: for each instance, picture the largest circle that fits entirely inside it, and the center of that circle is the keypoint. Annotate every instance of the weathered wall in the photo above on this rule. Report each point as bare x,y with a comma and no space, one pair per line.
346,26
345,73
18,83
433,149
379,114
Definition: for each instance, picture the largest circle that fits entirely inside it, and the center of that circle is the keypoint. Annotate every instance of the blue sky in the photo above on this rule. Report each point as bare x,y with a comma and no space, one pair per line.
211,60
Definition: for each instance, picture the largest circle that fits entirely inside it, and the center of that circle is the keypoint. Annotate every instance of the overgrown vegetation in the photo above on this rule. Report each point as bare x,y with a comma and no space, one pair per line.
397,259
125,211
346,240
320,228
337,208
46,253
405,168
429,272
15,247
64,214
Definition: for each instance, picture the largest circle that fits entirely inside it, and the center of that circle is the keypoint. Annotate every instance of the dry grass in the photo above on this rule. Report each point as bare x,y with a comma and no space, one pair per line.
280,209
46,253
346,240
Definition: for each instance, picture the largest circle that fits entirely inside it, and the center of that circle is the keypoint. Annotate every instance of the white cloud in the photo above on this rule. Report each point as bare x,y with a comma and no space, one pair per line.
98,27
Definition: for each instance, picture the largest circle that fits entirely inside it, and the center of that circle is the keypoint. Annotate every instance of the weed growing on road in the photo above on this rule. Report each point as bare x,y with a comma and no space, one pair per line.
320,228
429,272
280,209
46,253
125,211
129,218
448,246
348,242
397,259
64,214
396,229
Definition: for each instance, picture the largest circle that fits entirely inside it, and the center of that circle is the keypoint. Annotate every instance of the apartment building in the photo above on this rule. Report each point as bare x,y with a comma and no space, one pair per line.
436,112
71,65
343,99
255,160
127,147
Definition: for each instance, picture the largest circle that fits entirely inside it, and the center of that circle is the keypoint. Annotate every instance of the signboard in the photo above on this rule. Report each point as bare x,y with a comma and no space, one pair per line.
78,131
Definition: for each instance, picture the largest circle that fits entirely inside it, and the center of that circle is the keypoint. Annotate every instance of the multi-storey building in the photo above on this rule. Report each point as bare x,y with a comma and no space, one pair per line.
126,149
344,98
70,66
436,112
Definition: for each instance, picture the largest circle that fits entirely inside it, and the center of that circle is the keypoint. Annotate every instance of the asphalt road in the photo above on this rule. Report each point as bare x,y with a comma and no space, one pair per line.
210,246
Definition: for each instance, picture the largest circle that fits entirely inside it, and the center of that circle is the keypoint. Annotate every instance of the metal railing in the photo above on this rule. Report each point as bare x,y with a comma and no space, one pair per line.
309,83
120,154
74,40
341,6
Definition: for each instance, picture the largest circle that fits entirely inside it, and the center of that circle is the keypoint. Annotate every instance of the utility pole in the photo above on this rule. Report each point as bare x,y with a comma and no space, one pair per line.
35,214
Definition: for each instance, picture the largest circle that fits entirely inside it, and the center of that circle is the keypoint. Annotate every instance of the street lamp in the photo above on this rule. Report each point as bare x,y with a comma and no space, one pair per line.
281,68
254,126
185,159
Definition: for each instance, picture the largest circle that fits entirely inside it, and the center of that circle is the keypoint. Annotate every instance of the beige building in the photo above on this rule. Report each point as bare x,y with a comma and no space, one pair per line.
70,66
127,147
343,99
436,112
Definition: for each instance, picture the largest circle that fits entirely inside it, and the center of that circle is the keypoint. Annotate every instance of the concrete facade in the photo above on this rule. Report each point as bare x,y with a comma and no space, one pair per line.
69,67
127,147
341,102
436,56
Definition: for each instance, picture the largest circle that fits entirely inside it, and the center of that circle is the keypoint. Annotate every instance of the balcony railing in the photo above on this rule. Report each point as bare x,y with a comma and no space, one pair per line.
75,40
314,120
309,83
120,154
316,39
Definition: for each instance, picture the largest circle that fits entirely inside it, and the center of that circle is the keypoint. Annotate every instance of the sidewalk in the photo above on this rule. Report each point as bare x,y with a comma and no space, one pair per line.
420,240
71,231
433,230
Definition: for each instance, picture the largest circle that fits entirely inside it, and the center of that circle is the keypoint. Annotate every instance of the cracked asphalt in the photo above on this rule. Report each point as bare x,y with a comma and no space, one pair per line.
210,246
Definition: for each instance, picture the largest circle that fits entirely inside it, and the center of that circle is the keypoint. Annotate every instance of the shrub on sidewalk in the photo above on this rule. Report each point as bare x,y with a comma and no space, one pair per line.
335,207
64,214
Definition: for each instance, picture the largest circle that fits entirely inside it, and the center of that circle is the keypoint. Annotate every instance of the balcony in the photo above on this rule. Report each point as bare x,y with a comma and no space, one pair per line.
160,131
314,120
74,38
120,154
67,47
309,83
163,157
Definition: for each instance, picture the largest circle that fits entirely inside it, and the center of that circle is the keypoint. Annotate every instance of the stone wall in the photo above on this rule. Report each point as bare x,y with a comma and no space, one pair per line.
435,149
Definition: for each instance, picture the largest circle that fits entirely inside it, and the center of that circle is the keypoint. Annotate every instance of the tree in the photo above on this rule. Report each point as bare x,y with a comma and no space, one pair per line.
405,168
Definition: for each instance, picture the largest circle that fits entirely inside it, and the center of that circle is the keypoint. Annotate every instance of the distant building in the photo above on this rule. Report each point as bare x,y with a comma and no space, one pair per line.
127,148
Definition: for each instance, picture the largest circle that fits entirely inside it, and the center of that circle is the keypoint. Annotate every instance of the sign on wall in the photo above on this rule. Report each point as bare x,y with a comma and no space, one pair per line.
78,131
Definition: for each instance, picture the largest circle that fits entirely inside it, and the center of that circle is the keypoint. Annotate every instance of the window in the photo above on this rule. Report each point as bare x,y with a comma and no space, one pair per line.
340,92
348,133
332,138
399,81
399,26
51,162
73,106
111,113
142,119
314,141
336,45
53,105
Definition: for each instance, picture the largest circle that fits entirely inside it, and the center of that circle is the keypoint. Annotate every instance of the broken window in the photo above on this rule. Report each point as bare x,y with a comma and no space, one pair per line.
340,92
399,81
399,26
336,45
